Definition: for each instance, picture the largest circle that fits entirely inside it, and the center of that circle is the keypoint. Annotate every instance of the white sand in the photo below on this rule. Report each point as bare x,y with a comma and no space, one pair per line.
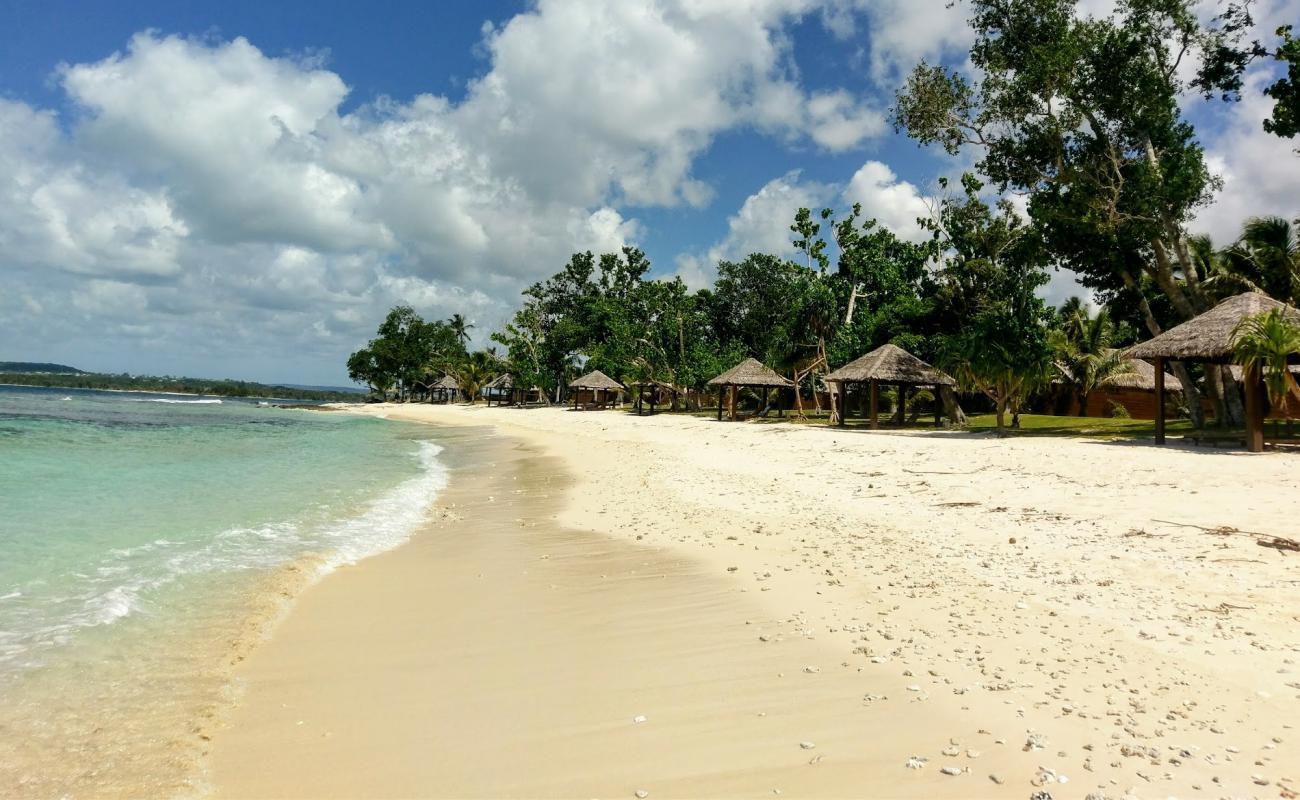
1127,653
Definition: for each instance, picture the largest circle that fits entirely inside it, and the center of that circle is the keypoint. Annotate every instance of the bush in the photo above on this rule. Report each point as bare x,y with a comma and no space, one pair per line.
1118,411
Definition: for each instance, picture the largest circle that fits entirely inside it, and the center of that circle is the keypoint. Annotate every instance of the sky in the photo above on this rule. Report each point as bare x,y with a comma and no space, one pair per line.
243,189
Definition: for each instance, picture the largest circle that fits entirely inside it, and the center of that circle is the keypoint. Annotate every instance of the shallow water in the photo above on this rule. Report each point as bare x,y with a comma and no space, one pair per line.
144,542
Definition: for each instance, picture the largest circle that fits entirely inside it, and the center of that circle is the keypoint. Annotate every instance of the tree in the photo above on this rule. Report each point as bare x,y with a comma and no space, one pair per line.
1285,91
991,263
459,327
1085,352
1265,259
1269,342
1081,113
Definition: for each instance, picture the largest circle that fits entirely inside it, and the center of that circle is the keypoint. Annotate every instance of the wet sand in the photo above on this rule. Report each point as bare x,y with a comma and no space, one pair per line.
752,590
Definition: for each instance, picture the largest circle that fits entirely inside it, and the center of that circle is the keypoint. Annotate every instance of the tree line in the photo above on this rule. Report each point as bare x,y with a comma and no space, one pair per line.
1078,116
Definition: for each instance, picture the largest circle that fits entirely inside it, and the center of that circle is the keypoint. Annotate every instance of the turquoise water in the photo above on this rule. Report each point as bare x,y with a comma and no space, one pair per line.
134,529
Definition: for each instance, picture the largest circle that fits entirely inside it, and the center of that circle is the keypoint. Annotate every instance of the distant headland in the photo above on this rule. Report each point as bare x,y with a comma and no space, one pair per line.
32,373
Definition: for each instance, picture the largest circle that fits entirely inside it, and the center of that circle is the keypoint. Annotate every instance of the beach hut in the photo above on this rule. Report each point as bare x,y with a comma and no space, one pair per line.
748,374
595,390
1208,339
501,388
887,364
1135,390
446,388
649,392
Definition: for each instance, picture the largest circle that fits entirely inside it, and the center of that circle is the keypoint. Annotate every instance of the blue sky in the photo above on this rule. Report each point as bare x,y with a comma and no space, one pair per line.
242,189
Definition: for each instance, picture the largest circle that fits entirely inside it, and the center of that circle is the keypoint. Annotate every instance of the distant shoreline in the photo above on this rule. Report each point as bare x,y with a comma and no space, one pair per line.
332,399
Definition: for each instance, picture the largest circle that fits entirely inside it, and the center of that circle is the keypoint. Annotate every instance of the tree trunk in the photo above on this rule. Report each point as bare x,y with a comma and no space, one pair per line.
1083,403
1001,413
1191,395
1234,411
950,405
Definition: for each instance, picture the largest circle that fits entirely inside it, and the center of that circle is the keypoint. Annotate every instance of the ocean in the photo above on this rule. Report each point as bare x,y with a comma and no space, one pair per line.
146,543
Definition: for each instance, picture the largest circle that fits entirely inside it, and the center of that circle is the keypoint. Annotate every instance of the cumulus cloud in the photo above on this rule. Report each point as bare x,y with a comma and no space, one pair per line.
762,224
204,196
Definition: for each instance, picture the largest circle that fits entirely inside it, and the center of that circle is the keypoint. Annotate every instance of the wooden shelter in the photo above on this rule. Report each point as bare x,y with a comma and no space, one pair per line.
749,374
887,364
649,391
1135,390
1208,339
598,387
501,388
446,388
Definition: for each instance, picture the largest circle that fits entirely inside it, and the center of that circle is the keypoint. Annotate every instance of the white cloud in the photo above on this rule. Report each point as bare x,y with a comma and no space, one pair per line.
762,223
1260,171
224,197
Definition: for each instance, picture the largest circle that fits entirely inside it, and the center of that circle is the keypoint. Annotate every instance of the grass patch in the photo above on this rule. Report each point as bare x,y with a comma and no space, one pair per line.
1094,427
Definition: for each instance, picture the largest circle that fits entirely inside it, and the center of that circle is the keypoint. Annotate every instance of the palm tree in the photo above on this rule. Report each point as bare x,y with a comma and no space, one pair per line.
460,327
1266,259
476,370
1085,355
1268,342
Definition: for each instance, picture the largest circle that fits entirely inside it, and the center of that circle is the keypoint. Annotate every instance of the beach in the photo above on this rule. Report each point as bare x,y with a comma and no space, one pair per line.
608,604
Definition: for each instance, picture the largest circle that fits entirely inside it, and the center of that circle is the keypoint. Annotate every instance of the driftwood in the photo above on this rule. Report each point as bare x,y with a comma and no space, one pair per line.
1282,544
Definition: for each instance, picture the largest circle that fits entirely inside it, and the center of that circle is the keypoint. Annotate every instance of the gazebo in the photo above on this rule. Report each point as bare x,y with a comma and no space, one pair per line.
649,389
887,364
752,375
446,387
595,382
1208,339
501,386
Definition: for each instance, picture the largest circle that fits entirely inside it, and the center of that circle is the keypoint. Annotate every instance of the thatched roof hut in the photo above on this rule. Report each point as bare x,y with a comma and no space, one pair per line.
447,383
751,373
1208,337
1142,377
748,374
596,380
890,364
503,382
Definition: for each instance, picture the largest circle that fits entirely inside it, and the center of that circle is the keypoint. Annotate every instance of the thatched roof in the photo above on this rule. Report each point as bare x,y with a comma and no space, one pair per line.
446,382
1208,337
750,373
890,364
503,381
1237,371
1142,377
595,380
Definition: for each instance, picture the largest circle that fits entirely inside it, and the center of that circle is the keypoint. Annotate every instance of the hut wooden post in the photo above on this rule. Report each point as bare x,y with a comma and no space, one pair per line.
875,404
780,402
843,402
765,390
938,408
731,403
721,389
1254,410
1160,400
654,394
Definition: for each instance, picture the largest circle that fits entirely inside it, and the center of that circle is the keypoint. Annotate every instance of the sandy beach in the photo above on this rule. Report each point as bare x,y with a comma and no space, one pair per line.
607,605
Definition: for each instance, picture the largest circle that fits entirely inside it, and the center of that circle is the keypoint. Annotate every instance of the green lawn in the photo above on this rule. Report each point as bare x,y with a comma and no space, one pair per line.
1100,427
1030,425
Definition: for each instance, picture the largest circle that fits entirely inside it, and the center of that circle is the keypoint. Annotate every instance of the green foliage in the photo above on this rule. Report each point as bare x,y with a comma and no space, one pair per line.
1269,342
1084,349
1082,114
1118,411
406,353
992,264
1285,119
1265,259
